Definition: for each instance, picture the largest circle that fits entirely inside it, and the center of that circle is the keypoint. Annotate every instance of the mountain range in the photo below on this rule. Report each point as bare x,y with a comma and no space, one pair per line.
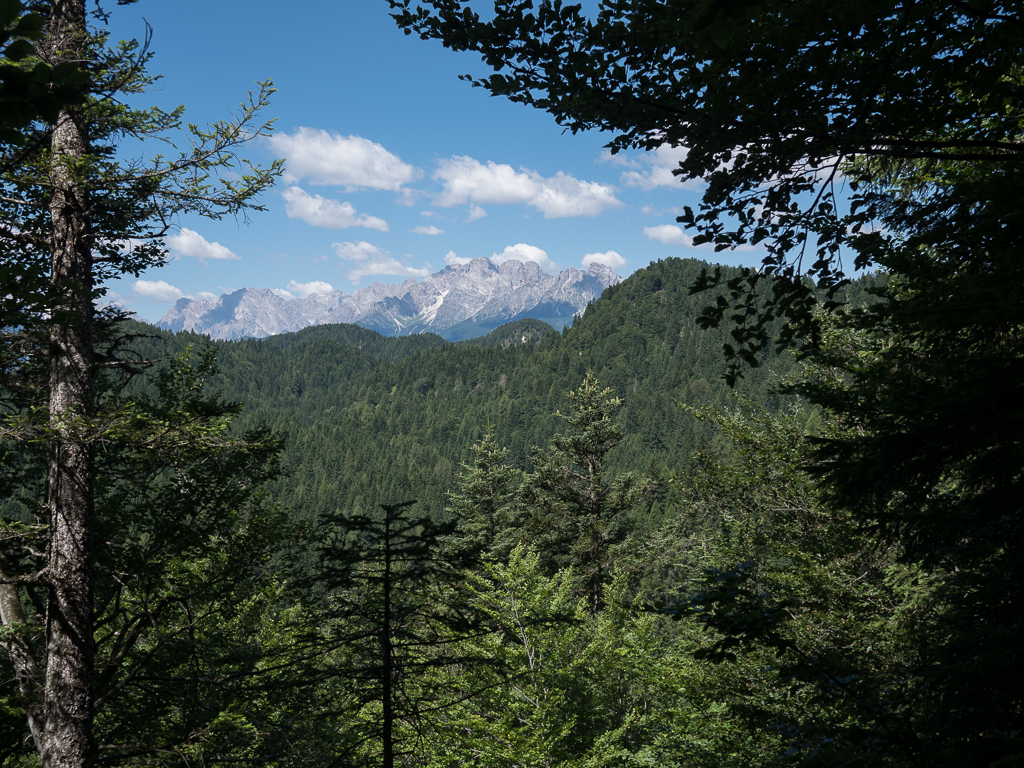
459,302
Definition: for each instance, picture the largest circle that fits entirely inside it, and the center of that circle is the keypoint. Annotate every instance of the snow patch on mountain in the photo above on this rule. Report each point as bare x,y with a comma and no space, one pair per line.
429,314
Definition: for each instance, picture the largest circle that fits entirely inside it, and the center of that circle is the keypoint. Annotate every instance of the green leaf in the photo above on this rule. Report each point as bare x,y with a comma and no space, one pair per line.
19,49
722,30
30,25
9,10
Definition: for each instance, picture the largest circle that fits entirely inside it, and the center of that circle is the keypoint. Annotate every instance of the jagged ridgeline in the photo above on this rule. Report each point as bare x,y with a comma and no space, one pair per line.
372,419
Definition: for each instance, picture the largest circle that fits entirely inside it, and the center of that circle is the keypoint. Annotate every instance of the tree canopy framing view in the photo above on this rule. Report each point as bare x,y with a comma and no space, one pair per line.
761,517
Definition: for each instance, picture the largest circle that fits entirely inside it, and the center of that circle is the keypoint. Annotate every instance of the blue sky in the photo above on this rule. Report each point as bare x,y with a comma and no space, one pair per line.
395,166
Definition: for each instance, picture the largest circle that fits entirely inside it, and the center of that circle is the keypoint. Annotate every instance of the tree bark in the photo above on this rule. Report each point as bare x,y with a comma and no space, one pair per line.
67,691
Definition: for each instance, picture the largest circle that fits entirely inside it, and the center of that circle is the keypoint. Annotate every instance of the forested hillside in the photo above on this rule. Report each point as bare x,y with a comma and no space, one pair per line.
564,484
372,420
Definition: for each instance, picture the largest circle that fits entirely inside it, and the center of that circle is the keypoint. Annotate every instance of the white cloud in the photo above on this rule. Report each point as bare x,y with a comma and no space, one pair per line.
305,289
191,243
324,157
452,260
669,234
302,290
608,258
623,159
653,170
319,211
524,252
408,196
157,291
562,195
476,212
431,230
367,259
467,180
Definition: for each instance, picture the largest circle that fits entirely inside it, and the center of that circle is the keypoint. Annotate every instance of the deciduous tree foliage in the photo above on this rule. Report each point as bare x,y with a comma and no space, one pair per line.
929,385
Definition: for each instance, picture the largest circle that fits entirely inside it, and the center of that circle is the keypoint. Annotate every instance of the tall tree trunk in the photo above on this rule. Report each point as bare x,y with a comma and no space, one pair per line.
67,691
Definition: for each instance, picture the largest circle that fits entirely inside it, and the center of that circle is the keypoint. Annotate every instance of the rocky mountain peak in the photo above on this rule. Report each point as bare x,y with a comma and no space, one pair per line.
460,301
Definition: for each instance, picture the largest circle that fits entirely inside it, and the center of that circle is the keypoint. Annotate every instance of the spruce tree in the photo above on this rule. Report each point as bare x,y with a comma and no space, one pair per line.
483,503
577,512
391,608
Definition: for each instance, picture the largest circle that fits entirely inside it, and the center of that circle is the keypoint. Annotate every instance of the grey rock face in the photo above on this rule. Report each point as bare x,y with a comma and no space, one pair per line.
458,302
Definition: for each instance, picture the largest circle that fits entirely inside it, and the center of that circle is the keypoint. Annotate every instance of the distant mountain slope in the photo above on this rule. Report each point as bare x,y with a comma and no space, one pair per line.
459,302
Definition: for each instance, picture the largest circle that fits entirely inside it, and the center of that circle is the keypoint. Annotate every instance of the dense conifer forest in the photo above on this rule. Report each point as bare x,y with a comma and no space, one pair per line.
374,420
